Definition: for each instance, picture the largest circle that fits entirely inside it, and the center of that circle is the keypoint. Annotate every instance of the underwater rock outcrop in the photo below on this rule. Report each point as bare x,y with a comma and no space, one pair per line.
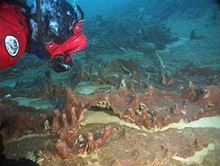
128,32
16,120
192,70
158,34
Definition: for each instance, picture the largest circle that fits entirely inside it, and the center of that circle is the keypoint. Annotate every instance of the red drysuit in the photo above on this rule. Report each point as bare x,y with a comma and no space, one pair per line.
14,34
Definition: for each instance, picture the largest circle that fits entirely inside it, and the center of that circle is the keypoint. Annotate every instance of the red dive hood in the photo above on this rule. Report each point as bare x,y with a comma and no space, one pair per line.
71,45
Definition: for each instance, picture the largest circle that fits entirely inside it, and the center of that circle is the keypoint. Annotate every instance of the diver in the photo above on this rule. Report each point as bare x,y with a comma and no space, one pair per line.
50,29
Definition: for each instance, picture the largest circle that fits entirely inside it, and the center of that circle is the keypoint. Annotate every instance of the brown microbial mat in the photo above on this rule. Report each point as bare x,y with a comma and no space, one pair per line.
144,92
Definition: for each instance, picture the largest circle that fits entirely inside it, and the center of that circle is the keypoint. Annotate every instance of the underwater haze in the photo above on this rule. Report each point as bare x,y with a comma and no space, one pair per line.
144,90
